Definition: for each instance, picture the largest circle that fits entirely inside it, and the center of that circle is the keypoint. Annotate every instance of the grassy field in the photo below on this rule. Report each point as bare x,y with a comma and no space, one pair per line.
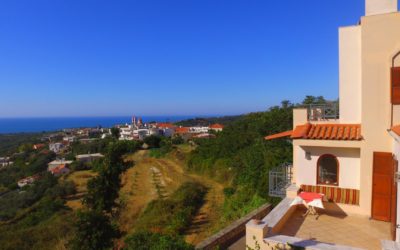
80,178
153,178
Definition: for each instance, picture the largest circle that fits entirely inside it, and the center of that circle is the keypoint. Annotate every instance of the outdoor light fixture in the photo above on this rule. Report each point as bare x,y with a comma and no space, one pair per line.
308,155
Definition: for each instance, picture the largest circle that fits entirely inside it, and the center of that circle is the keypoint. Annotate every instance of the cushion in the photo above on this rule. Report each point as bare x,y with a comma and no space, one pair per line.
335,194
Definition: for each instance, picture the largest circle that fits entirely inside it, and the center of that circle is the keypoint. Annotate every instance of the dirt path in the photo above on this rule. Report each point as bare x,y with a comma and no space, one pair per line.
152,178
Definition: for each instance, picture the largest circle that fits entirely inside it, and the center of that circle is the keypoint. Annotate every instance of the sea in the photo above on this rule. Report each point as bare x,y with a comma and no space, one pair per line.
28,125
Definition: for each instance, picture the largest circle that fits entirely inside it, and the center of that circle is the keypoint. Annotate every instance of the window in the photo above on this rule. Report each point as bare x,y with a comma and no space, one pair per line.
395,85
328,170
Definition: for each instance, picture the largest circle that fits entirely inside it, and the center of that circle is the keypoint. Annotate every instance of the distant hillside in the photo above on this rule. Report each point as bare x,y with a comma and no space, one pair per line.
198,121
9,143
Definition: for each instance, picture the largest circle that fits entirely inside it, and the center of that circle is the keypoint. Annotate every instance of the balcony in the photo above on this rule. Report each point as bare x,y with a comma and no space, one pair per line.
279,179
323,112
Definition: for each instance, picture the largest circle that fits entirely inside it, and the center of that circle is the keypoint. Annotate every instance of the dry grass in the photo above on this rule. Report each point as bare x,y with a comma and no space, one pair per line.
153,178
80,178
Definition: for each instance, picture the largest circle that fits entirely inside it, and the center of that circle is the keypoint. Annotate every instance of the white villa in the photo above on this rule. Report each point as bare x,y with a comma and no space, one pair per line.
351,158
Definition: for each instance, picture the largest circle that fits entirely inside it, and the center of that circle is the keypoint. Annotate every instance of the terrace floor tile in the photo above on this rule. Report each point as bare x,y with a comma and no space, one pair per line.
355,231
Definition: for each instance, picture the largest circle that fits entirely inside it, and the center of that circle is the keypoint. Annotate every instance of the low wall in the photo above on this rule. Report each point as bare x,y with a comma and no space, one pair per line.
234,231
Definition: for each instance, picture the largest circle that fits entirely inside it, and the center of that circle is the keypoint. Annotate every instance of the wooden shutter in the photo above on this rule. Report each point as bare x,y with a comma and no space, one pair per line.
395,85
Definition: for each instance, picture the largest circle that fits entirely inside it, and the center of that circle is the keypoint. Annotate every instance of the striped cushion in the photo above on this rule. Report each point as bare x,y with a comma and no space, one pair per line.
335,194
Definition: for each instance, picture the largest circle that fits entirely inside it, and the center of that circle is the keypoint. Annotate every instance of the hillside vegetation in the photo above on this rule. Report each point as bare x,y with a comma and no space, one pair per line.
207,121
171,196
241,157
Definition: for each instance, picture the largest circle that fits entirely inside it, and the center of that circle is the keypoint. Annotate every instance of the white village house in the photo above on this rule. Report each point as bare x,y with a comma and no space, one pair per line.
88,157
352,157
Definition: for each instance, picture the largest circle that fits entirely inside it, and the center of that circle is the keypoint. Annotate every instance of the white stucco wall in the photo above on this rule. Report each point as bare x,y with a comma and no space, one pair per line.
375,7
349,165
380,42
350,74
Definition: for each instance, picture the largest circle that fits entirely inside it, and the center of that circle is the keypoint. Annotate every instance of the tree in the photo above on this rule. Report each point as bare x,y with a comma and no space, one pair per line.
309,100
177,140
103,189
115,132
152,141
314,100
93,231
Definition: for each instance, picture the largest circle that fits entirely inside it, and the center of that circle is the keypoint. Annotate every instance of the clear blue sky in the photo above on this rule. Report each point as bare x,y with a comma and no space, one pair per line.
167,57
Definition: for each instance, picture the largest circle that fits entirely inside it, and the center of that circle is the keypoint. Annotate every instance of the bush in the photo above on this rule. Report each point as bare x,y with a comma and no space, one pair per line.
177,210
153,141
46,208
177,140
93,231
155,241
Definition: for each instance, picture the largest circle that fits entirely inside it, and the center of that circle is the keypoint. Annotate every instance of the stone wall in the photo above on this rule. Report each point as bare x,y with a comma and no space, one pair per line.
234,231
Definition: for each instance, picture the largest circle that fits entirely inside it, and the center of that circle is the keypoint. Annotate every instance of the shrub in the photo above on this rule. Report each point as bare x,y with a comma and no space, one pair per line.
177,210
155,241
93,231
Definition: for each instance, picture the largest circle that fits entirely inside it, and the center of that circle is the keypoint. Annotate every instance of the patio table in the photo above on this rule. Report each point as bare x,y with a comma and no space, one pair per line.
310,201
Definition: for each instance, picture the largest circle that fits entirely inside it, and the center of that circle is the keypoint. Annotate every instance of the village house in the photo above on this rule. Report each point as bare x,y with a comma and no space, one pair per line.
69,138
58,162
28,180
350,158
88,157
60,170
216,127
198,129
126,132
38,146
166,129
5,161
57,147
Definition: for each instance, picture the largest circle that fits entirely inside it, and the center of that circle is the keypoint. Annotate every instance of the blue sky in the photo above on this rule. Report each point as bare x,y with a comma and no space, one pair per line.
167,57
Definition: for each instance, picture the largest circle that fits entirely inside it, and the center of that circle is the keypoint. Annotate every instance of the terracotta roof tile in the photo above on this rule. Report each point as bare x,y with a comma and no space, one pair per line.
182,130
343,132
301,131
216,126
165,125
279,135
334,132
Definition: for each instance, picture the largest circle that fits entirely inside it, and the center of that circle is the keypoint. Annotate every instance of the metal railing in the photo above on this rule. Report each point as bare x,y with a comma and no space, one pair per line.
321,112
279,179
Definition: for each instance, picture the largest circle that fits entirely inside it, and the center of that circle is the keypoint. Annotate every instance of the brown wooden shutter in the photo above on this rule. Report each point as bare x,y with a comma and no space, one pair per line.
395,85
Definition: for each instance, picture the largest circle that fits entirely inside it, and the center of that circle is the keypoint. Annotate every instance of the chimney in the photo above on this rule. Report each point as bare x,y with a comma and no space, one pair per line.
376,7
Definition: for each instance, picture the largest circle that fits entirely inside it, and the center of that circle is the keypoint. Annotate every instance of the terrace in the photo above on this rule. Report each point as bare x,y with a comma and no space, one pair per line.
334,228
286,226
